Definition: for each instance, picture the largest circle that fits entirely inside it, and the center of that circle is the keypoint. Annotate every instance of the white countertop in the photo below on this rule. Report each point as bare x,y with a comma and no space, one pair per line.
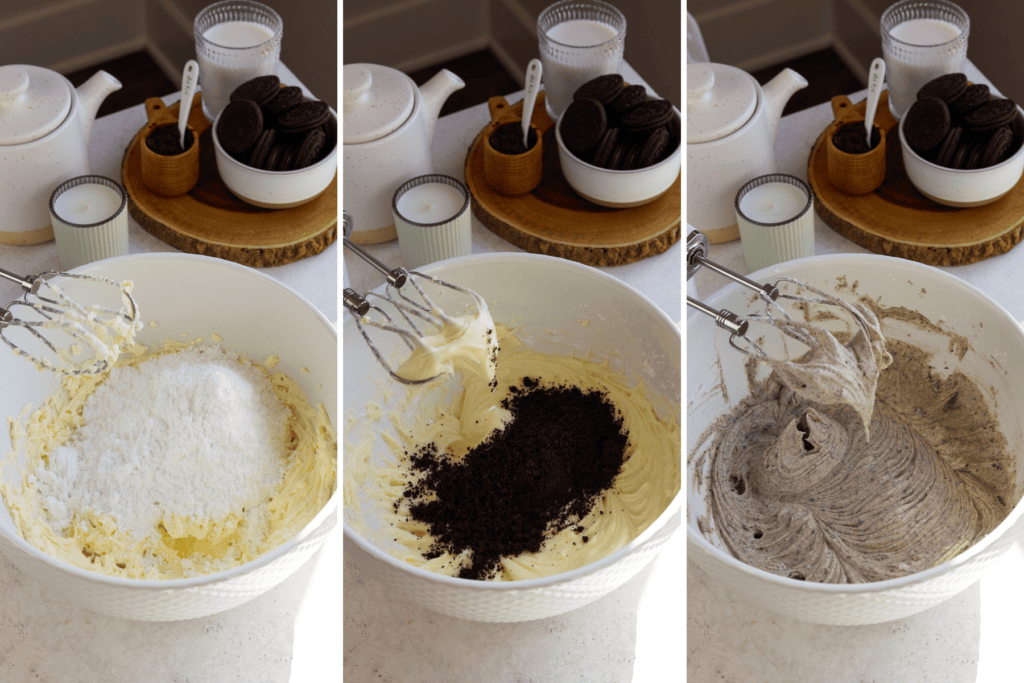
971,637
630,635
289,633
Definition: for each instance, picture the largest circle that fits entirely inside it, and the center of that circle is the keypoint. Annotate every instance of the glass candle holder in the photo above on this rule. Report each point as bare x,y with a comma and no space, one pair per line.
921,41
90,220
579,40
775,219
432,219
236,41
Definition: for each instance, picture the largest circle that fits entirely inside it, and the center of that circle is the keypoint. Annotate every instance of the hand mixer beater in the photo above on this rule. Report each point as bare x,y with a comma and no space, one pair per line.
424,310
49,328
697,247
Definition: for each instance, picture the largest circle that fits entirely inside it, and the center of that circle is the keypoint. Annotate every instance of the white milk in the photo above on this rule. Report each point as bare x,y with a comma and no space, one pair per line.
431,203
563,72
773,202
87,204
908,68
222,70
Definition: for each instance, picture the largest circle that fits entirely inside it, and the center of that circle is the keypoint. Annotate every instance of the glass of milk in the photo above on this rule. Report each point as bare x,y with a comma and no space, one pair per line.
236,41
578,41
920,41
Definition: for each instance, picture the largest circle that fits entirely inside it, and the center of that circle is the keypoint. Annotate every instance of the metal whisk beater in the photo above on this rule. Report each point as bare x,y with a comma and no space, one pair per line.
696,257
431,318
51,312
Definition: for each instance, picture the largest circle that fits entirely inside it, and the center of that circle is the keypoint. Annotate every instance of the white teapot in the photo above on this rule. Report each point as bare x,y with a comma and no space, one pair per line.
731,123
45,124
388,129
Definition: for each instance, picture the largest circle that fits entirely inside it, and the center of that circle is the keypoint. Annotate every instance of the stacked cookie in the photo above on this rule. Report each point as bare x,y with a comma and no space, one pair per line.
617,126
958,125
274,128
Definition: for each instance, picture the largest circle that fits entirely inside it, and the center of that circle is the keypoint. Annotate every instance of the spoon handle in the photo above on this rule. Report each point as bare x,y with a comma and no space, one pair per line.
189,78
876,77
533,72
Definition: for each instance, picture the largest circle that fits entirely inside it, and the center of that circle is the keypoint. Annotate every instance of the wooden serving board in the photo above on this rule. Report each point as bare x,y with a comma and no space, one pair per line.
210,220
897,220
554,220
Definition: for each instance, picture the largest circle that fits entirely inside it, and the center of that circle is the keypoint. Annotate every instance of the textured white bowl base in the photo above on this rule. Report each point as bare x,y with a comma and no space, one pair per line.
195,296
996,341
548,294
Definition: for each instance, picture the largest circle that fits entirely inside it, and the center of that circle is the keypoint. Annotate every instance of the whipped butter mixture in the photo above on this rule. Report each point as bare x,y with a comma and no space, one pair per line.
843,491
457,413
180,461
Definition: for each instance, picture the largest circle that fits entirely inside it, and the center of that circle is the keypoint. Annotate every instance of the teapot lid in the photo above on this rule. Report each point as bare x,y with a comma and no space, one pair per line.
720,99
33,102
378,100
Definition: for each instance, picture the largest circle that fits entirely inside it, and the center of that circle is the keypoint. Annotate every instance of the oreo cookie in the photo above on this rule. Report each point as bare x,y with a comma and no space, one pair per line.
260,90
972,97
998,147
629,97
303,117
602,88
991,115
926,124
653,148
286,98
262,148
948,147
647,115
946,87
582,124
240,125
310,148
605,147
615,158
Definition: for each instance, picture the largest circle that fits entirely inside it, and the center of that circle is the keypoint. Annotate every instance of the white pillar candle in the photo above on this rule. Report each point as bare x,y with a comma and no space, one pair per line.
431,203
774,202
89,220
432,219
87,204
775,220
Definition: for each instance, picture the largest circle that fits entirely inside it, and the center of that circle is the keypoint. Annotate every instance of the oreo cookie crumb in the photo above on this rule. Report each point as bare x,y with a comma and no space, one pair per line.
508,139
852,138
541,474
165,140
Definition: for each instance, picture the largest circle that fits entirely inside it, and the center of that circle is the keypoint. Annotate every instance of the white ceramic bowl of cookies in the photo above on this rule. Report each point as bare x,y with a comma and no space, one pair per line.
190,295
717,381
275,189
964,188
549,297
622,189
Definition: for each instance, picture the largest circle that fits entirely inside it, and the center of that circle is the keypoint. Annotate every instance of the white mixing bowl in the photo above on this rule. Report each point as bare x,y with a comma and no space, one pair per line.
996,347
195,295
541,293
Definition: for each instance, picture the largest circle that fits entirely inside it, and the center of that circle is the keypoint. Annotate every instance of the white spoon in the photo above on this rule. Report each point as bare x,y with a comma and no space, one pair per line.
189,78
876,77
533,71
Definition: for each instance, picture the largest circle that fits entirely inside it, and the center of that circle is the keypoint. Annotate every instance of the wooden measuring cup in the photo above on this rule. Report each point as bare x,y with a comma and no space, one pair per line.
857,173
173,175
513,174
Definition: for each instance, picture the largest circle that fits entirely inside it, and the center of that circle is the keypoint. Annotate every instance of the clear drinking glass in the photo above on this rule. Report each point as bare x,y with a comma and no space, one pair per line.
579,40
920,41
236,41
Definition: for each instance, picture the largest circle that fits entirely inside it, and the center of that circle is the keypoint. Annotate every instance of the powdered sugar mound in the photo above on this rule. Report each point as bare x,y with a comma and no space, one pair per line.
197,433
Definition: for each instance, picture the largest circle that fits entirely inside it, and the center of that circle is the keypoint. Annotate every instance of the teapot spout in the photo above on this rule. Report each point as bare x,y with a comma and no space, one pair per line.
434,93
777,92
91,95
